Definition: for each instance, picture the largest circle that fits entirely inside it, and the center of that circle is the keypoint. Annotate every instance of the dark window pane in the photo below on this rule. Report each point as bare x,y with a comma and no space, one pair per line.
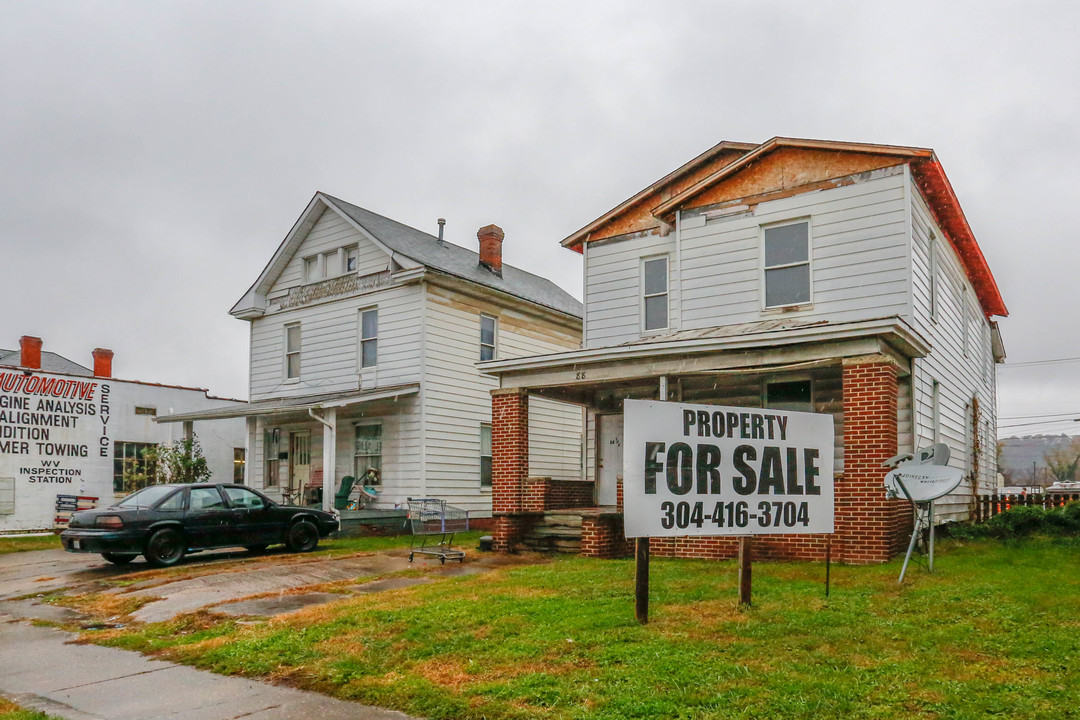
656,276
487,352
369,321
369,353
487,330
795,395
787,286
485,471
656,312
786,244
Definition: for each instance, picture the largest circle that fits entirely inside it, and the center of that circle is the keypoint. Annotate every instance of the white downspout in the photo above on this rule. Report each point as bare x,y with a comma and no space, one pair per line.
329,455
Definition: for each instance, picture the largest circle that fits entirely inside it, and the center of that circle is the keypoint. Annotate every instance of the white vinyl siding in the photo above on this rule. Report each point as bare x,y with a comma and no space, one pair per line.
612,288
331,344
457,397
960,377
859,250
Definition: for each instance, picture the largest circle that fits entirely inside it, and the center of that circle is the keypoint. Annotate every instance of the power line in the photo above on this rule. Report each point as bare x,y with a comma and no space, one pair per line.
1044,422
1045,415
1041,362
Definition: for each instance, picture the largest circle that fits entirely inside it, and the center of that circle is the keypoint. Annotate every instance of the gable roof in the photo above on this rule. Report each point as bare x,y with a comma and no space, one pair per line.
412,248
50,363
926,171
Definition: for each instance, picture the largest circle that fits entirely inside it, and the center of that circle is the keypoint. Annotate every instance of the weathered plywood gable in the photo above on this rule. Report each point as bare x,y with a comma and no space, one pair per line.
791,170
639,218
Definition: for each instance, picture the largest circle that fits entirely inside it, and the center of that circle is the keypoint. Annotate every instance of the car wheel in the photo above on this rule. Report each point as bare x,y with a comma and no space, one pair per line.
165,547
256,548
118,559
302,536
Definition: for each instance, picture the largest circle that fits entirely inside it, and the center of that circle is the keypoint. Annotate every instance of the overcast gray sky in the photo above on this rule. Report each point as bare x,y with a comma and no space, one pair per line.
154,154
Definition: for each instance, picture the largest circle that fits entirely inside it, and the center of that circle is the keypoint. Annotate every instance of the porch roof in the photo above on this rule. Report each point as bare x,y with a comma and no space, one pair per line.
760,345
278,406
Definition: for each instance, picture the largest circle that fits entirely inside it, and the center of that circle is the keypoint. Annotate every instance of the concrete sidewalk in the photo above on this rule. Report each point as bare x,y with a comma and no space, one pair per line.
39,670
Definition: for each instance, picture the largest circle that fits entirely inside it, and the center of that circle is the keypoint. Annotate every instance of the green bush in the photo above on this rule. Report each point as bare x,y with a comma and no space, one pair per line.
1023,521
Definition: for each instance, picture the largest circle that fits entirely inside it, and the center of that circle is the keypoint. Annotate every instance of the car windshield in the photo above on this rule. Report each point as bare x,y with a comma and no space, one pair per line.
147,497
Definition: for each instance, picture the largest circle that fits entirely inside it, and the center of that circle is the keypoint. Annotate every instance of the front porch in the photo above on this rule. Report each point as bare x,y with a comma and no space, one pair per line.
858,373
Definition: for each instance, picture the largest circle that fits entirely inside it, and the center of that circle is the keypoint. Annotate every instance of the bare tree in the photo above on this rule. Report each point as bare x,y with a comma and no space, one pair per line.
1062,462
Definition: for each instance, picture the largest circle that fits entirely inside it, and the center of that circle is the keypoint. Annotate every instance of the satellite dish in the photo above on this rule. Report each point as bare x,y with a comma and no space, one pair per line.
936,454
923,482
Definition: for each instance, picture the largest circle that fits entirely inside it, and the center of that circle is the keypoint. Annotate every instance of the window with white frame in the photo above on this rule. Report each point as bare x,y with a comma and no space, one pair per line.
796,395
313,268
369,337
272,457
367,457
485,455
292,352
654,293
488,325
350,260
787,264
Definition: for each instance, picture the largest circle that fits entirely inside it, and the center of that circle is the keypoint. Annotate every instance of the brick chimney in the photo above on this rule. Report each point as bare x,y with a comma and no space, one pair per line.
103,363
491,240
30,352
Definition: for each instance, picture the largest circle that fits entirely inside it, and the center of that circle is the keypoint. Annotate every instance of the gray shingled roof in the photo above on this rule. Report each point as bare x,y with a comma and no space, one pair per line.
50,363
457,261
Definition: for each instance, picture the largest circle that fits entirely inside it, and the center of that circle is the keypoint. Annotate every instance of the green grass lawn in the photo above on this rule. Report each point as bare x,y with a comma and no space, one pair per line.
21,544
11,711
995,632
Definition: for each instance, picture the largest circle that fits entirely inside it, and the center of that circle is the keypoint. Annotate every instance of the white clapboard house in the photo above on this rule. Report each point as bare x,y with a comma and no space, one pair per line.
831,277
365,339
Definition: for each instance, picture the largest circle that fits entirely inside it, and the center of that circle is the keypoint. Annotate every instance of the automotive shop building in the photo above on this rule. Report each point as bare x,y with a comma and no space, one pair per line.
66,432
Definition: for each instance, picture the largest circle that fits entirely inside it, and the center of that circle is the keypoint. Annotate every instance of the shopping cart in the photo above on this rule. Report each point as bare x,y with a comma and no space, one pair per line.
431,516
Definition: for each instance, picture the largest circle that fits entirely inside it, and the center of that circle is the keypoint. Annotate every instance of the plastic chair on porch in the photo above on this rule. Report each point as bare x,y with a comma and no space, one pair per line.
341,499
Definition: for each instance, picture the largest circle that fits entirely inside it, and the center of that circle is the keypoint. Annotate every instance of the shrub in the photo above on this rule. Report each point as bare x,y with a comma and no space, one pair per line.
1022,521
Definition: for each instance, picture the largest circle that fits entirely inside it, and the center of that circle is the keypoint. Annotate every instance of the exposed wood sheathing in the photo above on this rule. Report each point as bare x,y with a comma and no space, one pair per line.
789,169
635,215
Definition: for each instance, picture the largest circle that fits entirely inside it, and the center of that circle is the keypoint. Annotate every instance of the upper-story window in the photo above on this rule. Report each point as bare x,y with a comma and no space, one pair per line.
487,337
292,351
369,337
330,264
654,293
787,264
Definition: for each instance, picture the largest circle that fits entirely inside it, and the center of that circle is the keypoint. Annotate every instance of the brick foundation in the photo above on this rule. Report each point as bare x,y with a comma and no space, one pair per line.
602,535
543,493
508,530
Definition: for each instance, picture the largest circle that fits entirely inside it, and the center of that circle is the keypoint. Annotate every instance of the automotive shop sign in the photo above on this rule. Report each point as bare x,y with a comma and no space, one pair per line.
712,470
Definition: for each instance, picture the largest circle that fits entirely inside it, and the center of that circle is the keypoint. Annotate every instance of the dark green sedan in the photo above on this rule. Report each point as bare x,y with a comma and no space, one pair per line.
165,522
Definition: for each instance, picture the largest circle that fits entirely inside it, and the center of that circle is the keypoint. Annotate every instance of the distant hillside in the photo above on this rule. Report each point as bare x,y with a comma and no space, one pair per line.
1019,455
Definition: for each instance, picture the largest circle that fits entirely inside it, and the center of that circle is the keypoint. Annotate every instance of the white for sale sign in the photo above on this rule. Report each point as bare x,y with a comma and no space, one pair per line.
713,470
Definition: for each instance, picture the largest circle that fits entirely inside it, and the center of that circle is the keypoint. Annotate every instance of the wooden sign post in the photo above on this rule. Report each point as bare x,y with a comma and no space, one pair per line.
641,588
745,568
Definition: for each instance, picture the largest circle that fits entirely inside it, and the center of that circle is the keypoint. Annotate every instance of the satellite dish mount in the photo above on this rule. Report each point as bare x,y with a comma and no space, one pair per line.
921,478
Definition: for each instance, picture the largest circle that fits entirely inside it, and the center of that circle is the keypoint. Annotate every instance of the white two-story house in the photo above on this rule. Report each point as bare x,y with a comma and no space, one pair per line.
365,340
829,277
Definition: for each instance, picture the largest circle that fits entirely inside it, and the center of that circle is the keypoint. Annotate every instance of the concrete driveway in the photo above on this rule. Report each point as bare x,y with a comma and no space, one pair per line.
41,668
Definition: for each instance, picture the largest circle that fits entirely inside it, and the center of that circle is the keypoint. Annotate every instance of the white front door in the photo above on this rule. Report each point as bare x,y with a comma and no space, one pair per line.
609,468
299,460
